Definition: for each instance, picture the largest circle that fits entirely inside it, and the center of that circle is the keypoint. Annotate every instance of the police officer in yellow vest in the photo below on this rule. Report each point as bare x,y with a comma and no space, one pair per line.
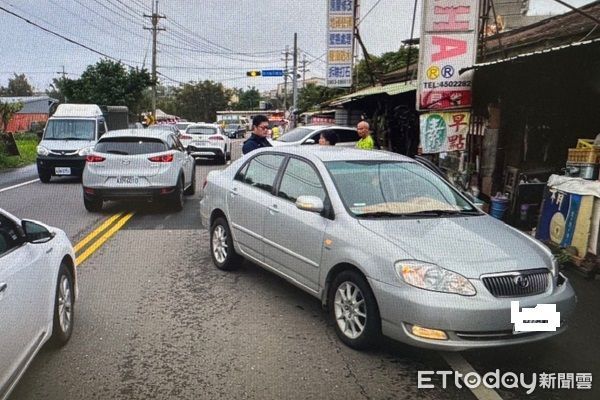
275,132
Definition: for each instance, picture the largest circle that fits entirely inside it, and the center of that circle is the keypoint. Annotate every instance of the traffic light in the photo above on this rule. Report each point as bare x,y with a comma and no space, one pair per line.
253,73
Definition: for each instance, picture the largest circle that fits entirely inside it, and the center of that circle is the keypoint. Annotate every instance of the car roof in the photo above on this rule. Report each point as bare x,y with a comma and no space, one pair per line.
337,153
321,126
203,124
138,132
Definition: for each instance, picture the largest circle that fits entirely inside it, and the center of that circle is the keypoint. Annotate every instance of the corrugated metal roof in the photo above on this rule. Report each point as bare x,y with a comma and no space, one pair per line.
391,90
533,53
31,104
24,99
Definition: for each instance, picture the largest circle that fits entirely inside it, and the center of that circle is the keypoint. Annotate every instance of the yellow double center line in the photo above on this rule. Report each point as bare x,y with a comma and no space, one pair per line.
107,229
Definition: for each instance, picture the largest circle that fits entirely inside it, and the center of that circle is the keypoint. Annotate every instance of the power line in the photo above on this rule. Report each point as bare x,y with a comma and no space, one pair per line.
65,38
368,12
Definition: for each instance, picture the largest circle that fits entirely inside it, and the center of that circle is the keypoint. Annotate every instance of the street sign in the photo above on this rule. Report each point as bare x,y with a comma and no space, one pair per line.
272,72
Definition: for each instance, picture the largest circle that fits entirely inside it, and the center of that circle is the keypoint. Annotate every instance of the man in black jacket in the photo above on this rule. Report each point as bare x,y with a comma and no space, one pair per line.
260,131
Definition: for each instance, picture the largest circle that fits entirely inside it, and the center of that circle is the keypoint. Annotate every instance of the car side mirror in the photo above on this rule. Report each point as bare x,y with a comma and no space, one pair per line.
309,141
36,233
310,203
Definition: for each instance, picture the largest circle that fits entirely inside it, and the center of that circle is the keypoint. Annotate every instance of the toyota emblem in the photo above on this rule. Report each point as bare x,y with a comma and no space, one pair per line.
125,162
522,281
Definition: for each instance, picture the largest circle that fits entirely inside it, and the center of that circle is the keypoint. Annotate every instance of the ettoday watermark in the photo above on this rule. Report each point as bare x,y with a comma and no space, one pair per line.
508,380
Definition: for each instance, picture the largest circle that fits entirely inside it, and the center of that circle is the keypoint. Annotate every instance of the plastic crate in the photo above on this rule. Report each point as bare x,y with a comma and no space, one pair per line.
586,144
584,155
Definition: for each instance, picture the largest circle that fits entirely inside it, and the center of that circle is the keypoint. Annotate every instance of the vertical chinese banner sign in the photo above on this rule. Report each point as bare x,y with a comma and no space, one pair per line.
444,131
340,34
448,43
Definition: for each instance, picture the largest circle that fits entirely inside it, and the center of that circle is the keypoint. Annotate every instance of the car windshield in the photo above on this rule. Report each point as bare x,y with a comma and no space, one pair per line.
395,189
130,145
201,130
70,129
231,126
296,134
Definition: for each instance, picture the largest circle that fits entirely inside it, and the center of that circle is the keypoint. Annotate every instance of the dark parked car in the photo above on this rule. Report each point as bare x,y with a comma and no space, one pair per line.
235,131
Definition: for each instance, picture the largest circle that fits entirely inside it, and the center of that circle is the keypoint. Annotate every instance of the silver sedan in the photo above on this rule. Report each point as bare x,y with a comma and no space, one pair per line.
386,245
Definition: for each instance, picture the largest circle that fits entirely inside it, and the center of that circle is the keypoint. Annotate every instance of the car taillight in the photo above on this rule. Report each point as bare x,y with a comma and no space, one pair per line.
163,158
185,137
93,158
216,138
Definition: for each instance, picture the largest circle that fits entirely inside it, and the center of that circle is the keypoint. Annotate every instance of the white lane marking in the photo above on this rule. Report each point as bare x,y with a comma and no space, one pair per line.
459,364
19,185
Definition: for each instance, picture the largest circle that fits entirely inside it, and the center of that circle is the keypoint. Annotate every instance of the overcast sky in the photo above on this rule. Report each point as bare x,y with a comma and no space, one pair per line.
204,39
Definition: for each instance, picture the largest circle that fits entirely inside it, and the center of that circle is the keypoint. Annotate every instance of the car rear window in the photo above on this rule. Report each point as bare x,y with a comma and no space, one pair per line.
201,131
130,145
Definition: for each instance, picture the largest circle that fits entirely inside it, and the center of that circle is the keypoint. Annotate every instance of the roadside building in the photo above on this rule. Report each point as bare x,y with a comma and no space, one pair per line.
36,110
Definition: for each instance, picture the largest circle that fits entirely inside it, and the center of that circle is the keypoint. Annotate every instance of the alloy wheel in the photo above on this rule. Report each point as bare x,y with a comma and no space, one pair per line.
219,244
65,304
350,309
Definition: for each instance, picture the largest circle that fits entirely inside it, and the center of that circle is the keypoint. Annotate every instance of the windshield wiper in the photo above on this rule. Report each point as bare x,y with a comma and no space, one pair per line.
379,214
71,138
439,213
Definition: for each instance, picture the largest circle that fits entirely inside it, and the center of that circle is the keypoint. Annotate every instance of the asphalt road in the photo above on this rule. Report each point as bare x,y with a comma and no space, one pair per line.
157,320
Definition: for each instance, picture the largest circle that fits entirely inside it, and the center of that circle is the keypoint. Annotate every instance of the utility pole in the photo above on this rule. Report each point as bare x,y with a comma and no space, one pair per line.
304,69
295,77
155,17
63,73
285,77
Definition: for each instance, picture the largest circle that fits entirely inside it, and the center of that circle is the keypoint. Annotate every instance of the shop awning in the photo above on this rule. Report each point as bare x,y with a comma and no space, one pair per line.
391,90
534,53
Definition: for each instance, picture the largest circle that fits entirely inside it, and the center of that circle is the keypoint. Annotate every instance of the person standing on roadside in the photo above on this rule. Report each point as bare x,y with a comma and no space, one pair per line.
366,141
260,131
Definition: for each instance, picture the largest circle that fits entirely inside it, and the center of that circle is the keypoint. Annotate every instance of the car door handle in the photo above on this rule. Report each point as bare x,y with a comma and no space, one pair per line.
273,209
49,250
3,287
233,192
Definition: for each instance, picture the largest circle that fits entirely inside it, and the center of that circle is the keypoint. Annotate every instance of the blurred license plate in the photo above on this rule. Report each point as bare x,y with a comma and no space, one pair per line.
200,144
62,171
128,180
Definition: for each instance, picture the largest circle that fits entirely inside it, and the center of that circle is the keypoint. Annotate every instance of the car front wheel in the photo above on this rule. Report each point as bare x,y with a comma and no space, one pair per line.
354,311
45,176
222,252
64,310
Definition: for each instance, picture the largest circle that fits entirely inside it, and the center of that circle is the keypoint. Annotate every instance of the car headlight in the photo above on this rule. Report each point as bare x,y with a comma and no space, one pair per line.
433,277
42,151
85,151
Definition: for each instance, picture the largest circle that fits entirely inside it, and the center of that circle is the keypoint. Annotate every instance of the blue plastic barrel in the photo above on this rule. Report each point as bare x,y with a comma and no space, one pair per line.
498,207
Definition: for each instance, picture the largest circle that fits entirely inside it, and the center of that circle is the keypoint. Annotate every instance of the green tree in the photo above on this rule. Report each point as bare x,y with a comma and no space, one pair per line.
17,86
311,96
7,110
248,99
107,83
199,101
387,62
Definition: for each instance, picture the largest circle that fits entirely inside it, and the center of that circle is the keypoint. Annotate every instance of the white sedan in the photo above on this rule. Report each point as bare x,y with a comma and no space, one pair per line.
38,289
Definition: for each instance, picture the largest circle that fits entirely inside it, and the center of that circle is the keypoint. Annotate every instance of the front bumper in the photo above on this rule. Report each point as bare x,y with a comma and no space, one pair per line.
469,322
50,163
148,194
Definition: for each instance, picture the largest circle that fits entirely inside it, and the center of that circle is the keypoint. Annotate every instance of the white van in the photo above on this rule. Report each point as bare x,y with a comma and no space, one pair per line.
70,134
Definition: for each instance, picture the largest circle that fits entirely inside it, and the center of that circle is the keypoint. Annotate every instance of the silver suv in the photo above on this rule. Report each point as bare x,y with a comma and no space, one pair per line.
138,164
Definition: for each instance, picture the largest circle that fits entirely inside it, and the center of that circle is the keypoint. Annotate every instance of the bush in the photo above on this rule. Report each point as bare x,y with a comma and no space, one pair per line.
27,144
